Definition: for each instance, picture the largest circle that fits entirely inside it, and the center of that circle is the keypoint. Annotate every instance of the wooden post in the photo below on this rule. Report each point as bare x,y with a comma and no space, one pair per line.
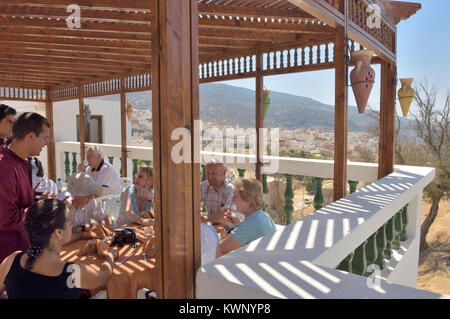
387,119
341,114
259,123
177,186
51,158
82,133
123,126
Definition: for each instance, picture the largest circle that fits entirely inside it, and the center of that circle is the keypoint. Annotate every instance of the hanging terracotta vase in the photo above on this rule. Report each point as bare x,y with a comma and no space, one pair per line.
362,78
406,95
129,111
266,102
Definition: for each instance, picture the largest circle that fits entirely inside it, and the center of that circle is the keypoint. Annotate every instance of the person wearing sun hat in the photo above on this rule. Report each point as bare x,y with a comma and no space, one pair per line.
82,204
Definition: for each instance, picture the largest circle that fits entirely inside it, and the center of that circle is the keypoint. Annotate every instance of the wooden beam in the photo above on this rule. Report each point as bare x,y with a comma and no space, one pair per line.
123,127
341,117
23,85
29,22
101,4
387,119
76,41
74,33
46,11
175,105
51,158
92,61
259,121
78,54
89,68
287,27
74,48
240,11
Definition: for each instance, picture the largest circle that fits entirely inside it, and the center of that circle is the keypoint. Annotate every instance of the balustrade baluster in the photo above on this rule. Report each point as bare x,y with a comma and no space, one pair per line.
67,164
265,192
288,199
403,233
346,264
359,262
381,246
135,167
371,252
318,197
397,230
74,163
353,186
387,253
203,172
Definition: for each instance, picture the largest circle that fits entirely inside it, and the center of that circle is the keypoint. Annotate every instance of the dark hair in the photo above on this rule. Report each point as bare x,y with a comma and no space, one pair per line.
29,122
41,220
6,110
40,168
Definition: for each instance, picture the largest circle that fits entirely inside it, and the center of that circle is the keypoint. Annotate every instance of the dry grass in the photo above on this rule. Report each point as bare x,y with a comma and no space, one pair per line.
434,270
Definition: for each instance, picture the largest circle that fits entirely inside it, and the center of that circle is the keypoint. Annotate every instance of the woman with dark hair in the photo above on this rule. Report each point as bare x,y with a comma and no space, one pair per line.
40,273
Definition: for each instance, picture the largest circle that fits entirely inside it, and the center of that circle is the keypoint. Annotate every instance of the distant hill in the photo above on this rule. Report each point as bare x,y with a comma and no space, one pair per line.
230,105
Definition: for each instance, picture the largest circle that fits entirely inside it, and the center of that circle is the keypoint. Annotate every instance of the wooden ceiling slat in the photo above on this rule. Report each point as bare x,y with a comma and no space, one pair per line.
137,45
94,62
79,54
27,22
98,69
225,10
47,11
105,4
227,24
73,33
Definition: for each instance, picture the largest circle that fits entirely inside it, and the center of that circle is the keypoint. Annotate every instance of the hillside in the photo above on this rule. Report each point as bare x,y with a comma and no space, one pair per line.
229,105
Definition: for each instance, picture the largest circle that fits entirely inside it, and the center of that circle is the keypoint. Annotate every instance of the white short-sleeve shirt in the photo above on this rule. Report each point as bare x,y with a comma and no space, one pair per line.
106,175
83,214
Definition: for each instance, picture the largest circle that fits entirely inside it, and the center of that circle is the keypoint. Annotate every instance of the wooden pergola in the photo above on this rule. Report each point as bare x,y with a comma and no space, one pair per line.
169,47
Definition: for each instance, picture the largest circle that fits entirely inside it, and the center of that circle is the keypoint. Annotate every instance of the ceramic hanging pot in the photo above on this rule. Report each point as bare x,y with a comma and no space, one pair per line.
266,102
362,78
406,95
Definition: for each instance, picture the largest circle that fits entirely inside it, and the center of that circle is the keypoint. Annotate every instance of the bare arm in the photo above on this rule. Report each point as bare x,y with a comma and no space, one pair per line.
128,206
91,278
4,269
227,245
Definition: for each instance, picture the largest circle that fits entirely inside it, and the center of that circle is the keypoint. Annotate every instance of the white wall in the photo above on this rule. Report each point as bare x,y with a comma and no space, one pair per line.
64,119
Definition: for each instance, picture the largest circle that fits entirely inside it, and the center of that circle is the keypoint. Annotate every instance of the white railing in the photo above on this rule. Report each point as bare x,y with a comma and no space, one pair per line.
299,260
363,172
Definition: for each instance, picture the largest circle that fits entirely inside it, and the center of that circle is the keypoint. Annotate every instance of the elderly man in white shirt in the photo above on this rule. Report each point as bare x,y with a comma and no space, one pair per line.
101,171
82,204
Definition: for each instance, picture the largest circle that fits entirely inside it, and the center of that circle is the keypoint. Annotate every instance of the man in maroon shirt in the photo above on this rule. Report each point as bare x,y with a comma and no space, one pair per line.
7,116
30,135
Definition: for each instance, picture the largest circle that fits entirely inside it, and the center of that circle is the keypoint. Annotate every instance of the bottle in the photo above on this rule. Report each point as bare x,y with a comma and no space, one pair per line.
33,167
59,185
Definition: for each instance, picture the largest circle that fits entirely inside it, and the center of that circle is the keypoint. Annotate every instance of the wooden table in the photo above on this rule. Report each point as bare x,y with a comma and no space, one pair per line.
127,278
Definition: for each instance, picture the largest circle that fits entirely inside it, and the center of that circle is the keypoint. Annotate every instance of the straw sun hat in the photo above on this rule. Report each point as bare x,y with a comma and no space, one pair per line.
81,184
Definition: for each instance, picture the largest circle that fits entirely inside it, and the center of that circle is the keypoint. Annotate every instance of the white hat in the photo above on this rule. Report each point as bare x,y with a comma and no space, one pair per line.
81,184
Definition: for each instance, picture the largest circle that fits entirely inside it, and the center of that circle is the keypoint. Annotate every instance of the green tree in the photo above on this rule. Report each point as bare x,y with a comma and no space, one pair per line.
431,123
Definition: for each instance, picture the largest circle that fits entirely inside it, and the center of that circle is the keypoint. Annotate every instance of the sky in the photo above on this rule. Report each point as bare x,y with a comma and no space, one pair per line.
423,52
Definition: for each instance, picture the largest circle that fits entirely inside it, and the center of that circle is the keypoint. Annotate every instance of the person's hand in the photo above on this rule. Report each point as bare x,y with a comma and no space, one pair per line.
203,218
81,167
40,196
142,192
114,253
231,217
148,222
